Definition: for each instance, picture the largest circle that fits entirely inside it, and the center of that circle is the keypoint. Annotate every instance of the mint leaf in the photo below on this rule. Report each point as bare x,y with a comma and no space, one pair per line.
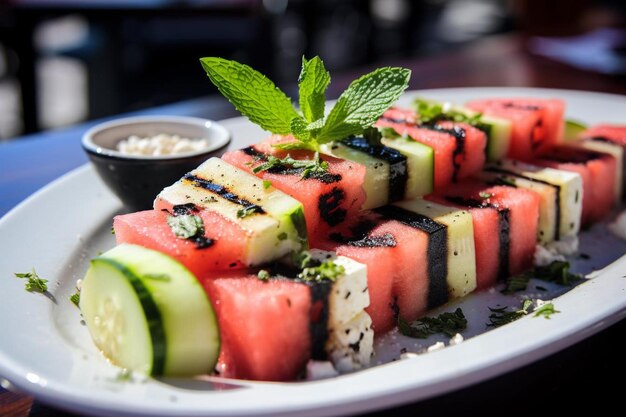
313,81
299,129
365,100
293,146
252,94
34,283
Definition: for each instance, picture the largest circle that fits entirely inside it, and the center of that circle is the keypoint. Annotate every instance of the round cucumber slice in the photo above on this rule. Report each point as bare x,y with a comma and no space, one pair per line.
146,312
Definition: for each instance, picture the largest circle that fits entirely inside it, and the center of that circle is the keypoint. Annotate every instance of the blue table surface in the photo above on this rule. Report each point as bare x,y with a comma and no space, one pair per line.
29,163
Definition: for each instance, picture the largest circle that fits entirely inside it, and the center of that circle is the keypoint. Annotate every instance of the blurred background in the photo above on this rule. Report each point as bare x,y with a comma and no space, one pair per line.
67,61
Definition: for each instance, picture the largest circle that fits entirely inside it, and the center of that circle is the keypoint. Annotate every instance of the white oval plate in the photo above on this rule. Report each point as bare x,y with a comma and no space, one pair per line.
44,350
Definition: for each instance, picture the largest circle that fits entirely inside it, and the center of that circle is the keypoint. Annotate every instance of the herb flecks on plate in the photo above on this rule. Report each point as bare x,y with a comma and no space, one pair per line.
502,315
258,98
75,298
34,283
557,272
447,323
545,310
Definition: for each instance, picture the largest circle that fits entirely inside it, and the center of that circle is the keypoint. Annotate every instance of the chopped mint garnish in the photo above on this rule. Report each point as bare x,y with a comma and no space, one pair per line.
190,227
446,323
516,283
357,108
315,270
432,112
246,211
304,260
557,272
263,275
267,184
186,226
483,194
309,167
326,271
502,315
75,298
389,133
34,283
546,311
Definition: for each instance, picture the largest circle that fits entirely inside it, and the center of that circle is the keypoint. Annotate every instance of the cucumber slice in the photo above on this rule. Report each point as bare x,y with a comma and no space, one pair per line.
618,153
498,136
147,313
420,163
498,130
274,221
561,195
461,261
572,130
376,182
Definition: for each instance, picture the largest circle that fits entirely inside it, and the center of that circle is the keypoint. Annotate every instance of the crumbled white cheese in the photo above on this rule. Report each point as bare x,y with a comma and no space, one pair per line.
567,245
320,370
456,339
544,256
555,251
436,346
538,302
161,144
618,226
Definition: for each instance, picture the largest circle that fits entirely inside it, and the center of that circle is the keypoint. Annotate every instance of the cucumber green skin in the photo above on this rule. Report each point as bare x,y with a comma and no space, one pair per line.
152,312
572,130
420,163
298,221
180,320
498,133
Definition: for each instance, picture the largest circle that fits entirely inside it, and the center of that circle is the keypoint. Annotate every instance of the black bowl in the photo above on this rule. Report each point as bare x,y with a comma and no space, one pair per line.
137,179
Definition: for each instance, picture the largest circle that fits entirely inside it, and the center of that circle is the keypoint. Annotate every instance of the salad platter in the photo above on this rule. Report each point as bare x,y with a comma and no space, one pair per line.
45,350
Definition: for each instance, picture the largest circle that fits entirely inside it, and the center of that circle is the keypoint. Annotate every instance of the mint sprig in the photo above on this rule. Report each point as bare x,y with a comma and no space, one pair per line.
252,94
257,98
312,83
365,100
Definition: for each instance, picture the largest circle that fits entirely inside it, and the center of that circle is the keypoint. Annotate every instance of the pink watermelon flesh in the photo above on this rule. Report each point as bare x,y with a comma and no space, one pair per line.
612,133
459,148
328,199
516,210
264,327
523,208
486,222
598,172
537,123
396,259
150,229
